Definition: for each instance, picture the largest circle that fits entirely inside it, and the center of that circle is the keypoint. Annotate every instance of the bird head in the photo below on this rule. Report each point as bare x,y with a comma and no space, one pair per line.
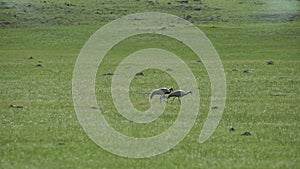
171,89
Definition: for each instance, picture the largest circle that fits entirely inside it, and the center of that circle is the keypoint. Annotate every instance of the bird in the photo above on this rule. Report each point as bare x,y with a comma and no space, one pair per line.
247,133
179,94
270,62
162,92
139,74
17,106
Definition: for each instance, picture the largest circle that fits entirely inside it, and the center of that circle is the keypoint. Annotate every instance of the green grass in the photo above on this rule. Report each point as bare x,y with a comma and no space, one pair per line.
47,133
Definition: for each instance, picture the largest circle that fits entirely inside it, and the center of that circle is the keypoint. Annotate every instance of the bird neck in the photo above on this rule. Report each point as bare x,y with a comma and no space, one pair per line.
187,93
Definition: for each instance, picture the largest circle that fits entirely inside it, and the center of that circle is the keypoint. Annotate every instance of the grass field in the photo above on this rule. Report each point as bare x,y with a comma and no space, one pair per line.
246,34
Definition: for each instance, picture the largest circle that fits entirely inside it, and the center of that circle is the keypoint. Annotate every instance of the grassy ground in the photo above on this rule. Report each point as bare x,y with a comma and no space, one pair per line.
246,35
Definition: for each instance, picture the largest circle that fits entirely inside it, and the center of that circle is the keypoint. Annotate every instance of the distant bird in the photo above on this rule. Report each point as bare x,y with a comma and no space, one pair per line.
39,65
108,74
247,133
270,62
162,92
16,106
139,74
246,71
179,94
214,107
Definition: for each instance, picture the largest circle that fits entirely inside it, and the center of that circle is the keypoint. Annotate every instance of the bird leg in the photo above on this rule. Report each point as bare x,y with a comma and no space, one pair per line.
179,100
173,99
162,97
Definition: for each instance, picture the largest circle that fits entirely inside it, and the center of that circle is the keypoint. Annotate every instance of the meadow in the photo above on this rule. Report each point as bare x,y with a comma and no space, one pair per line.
41,40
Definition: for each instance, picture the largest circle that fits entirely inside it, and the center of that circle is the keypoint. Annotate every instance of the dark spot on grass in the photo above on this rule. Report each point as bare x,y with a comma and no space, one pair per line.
231,129
247,133
259,3
94,107
183,1
61,144
163,28
140,74
188,17
214,107
4,22
246,71
17,106
39,65
30,58
270,62
197,8
108,74
150,2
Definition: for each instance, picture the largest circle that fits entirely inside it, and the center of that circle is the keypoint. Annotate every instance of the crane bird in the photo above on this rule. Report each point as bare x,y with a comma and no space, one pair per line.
162,92
179,94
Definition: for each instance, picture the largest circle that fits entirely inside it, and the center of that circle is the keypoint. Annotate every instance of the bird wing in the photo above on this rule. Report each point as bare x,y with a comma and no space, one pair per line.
164,90
177,93
156,92
152,94
172,94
